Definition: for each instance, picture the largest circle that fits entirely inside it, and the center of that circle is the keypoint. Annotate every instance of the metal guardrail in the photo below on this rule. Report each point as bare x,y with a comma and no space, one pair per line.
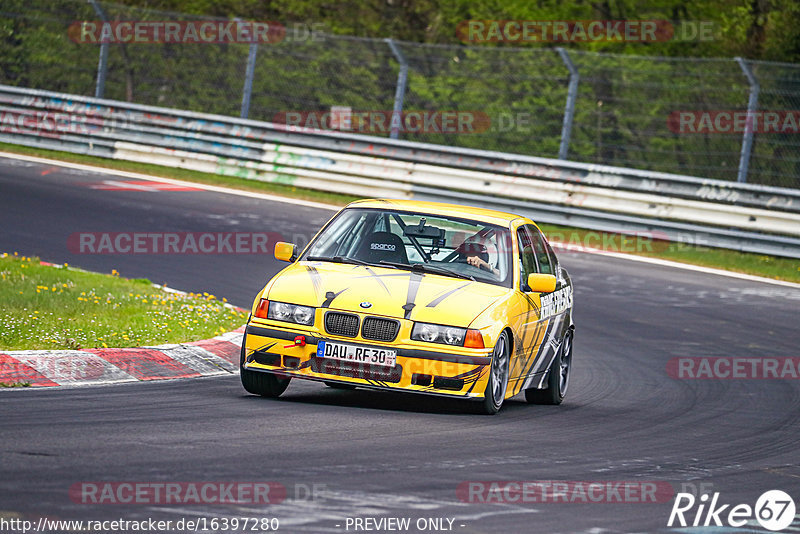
614,109
679,208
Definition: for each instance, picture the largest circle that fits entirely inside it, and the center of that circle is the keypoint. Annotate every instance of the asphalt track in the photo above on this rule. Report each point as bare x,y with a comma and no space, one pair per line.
374,454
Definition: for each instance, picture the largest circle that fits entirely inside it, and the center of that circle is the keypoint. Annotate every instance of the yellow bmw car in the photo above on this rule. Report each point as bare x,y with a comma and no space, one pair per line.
421,297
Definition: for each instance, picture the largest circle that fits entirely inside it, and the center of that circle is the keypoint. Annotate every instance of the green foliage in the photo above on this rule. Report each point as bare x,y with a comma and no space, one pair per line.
626,93
756,29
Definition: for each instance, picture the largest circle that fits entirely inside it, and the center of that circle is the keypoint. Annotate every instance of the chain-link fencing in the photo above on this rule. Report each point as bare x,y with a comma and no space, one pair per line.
674,115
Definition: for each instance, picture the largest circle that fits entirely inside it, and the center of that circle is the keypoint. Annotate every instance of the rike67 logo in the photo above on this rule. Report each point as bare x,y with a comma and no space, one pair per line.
774,510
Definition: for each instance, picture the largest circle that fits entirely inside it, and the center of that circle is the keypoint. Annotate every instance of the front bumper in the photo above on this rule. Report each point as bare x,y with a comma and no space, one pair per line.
270,349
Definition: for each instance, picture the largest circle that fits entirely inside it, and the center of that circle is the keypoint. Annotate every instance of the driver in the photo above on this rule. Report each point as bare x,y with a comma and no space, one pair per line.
477,255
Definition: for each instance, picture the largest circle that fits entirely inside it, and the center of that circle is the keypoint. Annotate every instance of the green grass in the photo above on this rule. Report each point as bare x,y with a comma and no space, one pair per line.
743,262
47,307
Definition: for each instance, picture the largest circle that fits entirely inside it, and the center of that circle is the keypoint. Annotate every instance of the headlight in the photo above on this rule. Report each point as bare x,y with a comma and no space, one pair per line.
291,313
435,333
303,315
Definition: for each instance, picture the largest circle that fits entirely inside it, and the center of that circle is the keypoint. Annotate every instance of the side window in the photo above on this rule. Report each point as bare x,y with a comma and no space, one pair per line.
552,256
543,255
527,257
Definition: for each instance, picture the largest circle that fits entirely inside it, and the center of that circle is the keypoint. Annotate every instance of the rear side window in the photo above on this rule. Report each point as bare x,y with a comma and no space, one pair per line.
544,255
551,255
527,257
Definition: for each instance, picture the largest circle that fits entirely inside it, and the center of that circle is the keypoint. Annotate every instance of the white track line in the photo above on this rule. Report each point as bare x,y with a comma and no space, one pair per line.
321,205
138,176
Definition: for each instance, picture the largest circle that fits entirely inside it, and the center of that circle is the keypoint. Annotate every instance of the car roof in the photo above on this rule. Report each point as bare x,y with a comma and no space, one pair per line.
499,218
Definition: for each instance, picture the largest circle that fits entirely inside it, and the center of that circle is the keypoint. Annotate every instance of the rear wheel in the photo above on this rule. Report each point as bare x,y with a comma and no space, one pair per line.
260,383
498,377
557,377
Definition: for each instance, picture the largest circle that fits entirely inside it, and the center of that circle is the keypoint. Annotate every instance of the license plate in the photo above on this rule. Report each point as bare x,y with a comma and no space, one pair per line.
356,353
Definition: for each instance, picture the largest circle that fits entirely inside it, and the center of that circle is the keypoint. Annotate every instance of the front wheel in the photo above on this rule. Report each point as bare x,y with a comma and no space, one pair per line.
557,377
497,384
260,383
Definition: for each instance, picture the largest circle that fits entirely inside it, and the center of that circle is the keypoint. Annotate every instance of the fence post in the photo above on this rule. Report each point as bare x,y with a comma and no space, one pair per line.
249,74
569,110
400,91
102,63
752,104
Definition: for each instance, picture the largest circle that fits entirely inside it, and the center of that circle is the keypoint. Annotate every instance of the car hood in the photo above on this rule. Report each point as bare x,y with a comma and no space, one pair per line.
391,292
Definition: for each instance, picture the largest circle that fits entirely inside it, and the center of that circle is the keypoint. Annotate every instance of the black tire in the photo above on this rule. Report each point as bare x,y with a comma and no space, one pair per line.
557,377
259,382
336,385
497,384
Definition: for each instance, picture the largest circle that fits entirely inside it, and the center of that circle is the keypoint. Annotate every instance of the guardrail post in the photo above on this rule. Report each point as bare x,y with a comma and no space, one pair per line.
400,91
102,63
249,74
569,110
752,104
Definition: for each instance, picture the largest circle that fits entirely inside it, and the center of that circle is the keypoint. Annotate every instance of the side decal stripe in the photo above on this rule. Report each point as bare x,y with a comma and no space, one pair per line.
438,300
315,279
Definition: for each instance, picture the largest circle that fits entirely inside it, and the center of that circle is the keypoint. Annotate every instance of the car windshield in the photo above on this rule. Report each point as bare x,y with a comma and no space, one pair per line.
422,242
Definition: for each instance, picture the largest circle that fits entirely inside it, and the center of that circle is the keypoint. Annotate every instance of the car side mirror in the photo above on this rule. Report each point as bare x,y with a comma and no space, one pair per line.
285,251
541,283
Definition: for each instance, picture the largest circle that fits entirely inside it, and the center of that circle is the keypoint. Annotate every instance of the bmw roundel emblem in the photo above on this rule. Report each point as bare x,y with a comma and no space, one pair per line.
366,304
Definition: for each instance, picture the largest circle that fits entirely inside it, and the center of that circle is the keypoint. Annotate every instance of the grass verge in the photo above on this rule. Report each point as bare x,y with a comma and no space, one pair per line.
743,262
52,307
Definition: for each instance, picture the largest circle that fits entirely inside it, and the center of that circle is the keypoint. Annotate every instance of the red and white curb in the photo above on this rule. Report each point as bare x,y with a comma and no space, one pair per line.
89,367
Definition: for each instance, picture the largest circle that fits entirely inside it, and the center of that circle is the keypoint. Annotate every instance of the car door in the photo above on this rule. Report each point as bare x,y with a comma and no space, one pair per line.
533,332
529,332
555,310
